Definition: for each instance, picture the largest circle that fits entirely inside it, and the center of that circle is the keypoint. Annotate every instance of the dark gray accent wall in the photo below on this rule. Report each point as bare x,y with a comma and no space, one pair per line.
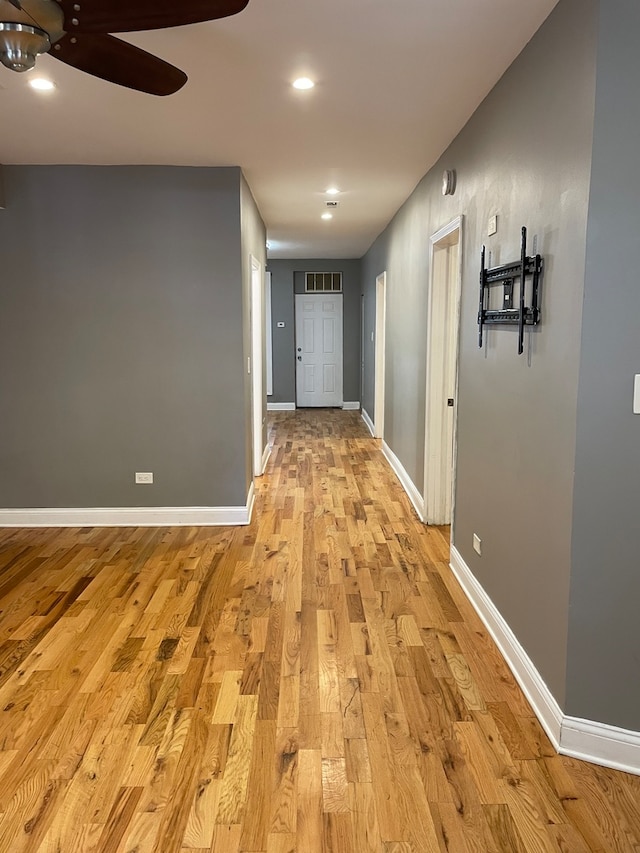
525,156
253,243
121,343
286,279
604,639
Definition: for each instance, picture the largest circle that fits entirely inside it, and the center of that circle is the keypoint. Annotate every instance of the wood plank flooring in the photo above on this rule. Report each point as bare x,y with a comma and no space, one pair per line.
313,683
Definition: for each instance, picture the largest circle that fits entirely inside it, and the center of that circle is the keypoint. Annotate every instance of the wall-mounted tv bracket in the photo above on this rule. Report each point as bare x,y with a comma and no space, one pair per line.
510,315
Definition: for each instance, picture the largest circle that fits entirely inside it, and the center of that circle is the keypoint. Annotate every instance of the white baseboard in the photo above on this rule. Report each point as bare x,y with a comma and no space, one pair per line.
584,739
251,499
368,422
542,701
407,483
351,407
138,516
265,458
601,744
281,407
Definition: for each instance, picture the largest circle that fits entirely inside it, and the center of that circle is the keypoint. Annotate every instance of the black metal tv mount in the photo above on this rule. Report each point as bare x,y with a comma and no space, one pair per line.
508,315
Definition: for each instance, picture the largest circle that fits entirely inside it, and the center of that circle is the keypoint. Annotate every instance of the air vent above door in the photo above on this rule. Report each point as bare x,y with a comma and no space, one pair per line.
323,282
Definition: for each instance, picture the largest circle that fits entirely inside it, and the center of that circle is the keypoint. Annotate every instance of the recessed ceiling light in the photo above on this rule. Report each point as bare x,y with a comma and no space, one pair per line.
303,83
327,215
41,84
332,191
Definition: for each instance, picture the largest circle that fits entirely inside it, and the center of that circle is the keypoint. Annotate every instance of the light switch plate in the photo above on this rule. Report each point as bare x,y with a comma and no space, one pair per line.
636,395
492,226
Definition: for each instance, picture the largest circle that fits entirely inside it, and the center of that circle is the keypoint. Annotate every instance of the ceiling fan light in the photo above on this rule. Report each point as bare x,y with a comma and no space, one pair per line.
20,44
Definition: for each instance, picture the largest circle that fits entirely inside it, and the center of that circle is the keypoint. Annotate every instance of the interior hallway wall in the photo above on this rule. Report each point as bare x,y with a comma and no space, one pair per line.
604,639
121,345
524,156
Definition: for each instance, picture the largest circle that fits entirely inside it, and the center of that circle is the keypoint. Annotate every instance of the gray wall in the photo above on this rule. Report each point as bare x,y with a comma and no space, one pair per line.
120,337
253,242
283,280
604,640
525,156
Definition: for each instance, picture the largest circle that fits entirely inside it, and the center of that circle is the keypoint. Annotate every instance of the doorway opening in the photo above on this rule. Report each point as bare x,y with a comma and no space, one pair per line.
443,322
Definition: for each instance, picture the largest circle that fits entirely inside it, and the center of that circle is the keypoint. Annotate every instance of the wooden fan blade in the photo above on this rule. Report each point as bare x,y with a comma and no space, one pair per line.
127,16
118,62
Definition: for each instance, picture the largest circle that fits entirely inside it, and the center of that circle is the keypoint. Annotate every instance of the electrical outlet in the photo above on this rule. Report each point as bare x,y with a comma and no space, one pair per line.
477,544
144,477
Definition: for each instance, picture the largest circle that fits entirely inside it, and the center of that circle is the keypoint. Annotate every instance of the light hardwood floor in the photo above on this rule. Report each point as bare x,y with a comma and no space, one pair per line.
315,683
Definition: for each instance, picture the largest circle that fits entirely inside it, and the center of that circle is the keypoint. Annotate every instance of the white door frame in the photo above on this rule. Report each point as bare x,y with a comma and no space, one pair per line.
268,331
380,351
363,348
256,365
438,504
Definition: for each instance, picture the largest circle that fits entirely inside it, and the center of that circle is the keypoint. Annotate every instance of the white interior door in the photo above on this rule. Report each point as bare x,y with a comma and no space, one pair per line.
319,349
442,373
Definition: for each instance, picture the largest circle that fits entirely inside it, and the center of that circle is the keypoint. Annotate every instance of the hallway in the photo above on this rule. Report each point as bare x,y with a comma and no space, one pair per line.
313,683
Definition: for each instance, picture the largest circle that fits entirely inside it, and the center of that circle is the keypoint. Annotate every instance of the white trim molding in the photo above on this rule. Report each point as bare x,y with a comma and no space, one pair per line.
405,480
281,407
368,422
256,362
351,407
265,458
379,355
137,516
251,499
542,701
601,744
268,340
584,739
443,333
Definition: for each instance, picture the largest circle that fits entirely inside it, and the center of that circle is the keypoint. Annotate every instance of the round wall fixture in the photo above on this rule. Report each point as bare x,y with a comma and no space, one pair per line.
448,182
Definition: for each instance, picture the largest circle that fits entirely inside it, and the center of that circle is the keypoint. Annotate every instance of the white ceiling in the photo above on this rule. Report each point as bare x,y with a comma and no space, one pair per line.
396,81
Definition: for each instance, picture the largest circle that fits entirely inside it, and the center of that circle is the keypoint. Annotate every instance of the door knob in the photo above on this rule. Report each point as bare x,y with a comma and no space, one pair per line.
299,358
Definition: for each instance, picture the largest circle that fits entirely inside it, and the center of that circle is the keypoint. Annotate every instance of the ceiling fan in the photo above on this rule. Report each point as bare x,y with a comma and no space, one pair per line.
77,32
